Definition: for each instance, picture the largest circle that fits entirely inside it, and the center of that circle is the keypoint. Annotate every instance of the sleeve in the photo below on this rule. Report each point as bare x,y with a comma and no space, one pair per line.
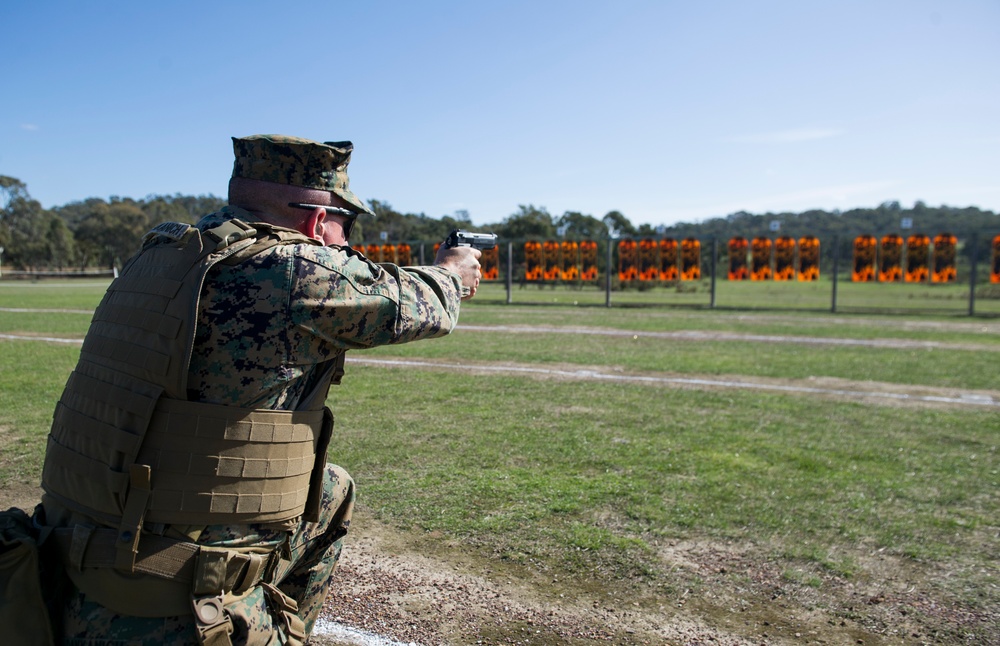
348,302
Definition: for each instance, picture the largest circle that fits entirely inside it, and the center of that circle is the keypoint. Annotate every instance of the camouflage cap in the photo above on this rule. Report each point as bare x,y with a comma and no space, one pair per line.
297,162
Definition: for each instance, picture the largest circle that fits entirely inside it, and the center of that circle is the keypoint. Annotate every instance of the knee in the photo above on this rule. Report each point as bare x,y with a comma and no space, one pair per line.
338,496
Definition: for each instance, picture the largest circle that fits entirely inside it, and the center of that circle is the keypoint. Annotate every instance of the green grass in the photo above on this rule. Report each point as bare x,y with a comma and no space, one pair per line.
951,368
951,299
590,480
32,375
614,468
52,294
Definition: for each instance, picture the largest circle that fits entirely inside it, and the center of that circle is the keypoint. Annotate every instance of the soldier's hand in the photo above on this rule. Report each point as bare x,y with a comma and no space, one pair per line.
464,261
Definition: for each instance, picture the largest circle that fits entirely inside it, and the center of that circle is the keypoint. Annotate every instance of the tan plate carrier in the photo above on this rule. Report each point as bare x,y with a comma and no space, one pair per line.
129,451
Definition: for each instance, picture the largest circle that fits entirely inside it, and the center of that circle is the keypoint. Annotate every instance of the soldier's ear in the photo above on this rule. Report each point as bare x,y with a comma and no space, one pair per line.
313,224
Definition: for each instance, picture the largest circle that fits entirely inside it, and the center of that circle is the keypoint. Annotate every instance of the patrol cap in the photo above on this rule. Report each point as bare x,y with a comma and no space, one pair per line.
297,162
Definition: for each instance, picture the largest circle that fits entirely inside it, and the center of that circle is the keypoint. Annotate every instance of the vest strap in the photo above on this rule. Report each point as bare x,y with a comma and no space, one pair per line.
212,622
230,232
135,509
295,628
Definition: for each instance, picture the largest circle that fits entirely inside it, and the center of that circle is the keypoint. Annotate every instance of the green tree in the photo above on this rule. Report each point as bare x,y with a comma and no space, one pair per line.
615,220
406,227
22,225
582,227
59,244
111,232
528,223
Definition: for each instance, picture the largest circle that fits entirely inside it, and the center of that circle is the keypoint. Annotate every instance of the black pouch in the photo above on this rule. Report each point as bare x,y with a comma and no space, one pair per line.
24,613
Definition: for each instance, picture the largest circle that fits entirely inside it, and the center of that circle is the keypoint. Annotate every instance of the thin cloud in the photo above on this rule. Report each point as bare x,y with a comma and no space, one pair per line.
792,136
29,127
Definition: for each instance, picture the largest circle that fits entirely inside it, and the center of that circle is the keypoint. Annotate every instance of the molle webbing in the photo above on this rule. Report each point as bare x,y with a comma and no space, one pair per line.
218,464
144,327
132,376
135,352
96,431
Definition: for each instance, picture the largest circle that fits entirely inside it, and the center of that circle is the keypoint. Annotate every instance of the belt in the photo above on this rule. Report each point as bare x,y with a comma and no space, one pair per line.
208,569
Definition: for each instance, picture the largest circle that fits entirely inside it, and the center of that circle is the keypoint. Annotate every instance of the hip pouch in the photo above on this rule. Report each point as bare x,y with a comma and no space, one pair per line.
25,616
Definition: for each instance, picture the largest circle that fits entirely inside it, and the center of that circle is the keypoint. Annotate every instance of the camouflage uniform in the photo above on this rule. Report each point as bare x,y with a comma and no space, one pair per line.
266,330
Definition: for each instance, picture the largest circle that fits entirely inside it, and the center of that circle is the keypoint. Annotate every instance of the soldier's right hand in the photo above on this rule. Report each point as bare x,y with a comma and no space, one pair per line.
464,261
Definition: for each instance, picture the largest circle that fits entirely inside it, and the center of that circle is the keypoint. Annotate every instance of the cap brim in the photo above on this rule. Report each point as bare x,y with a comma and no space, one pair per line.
352,199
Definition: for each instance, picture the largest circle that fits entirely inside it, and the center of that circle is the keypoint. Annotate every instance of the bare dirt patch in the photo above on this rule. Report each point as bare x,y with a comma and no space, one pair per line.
420,589
16,490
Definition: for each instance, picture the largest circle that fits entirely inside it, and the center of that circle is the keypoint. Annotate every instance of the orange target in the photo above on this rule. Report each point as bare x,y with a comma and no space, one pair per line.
649,259
944,259
760,259
588,260
690,259
890,259
864,259
374,252
490,263
784,258
628,260
995,265
403,255
533,260
917,250
738,269
668,259
569,268
808,258
550,254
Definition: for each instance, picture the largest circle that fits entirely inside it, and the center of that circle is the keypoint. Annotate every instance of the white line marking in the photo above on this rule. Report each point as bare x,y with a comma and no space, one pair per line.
974,400
50,339
26,310
353,635
971,399
699,335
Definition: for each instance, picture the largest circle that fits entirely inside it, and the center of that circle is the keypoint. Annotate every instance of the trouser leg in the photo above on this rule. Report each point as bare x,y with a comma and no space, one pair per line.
316,547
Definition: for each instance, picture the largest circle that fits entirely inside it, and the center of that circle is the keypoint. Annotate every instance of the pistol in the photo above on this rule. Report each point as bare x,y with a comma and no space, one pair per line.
481,241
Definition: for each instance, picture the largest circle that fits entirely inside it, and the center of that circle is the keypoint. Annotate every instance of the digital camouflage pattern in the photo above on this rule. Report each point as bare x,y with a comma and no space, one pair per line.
267,329
297,162
315,550
266,324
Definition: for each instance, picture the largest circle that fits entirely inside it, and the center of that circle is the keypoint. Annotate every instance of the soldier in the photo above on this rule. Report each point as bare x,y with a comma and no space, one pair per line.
185,477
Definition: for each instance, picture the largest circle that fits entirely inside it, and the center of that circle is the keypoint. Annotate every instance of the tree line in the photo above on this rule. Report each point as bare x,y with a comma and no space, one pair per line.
89,233
96,233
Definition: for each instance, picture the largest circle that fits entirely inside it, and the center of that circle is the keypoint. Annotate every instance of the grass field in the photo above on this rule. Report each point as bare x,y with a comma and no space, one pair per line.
905,298
877,521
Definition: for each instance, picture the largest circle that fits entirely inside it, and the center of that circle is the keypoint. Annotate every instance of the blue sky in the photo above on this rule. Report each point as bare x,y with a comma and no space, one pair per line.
666,111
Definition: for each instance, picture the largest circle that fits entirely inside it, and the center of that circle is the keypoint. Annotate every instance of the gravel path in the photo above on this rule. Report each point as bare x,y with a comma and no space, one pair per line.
390,595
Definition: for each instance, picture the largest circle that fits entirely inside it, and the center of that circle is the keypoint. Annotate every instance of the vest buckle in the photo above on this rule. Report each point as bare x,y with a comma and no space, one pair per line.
230,232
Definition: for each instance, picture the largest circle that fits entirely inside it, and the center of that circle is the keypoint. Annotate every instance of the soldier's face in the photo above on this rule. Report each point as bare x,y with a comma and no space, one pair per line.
336,230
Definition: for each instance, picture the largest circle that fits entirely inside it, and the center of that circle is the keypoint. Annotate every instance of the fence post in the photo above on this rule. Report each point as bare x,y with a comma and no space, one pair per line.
510,271
836,269
972,277
715,261
607,297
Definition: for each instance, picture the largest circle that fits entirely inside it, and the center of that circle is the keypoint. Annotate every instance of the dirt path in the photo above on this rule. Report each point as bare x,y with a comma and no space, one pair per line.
832,387
404,589
415,588
428,592
742,337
